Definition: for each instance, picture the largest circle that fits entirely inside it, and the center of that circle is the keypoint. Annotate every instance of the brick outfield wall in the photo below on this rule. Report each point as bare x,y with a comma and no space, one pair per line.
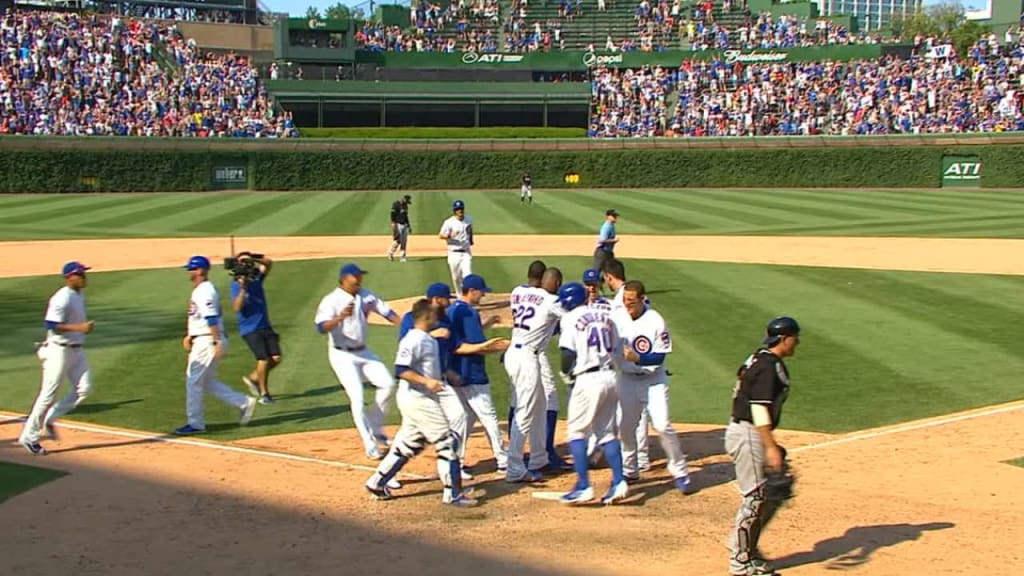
29,164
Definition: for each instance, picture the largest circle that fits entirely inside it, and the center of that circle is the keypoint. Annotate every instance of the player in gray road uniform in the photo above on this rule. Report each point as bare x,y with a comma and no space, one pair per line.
761,388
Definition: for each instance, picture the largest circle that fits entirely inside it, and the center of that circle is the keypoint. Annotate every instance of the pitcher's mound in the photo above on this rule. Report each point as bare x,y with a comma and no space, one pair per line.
492,304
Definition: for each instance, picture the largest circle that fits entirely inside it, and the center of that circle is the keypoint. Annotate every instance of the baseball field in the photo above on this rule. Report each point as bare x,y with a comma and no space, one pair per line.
904,416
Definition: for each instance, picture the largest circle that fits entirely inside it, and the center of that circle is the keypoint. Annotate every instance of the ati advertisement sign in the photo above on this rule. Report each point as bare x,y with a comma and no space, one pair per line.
474,58
961,172
229,177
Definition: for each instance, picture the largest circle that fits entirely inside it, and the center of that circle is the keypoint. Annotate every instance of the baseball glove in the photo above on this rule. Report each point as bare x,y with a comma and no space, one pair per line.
779,484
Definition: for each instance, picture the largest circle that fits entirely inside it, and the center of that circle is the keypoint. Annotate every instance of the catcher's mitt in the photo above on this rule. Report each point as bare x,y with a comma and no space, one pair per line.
779,485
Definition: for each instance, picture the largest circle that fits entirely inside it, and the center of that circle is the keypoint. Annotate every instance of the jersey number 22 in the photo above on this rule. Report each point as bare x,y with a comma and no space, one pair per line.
521,314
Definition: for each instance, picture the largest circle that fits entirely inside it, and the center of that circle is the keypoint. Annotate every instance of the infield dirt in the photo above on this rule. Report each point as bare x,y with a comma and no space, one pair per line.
929,498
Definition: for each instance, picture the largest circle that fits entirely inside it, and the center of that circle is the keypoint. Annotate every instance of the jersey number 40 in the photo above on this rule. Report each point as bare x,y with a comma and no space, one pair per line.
521,314
599,338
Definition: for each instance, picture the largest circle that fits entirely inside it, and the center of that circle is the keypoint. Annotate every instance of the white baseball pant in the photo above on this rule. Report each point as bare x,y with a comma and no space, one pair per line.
201,376
351,368
58,362
592,407
477,402
455,414
547,379
529,420
461,265
637,395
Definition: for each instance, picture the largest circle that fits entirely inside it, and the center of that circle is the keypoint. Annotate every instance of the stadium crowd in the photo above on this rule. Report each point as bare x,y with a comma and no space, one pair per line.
980,92
64,74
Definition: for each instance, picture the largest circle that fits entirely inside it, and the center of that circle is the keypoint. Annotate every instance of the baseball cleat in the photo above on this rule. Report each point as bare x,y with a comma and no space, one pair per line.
254,390
394,484
266,399
466,475
188,430
631,478
33,447
462,501
644,467
684,485
378,493
526,477
51,431
578,496
403,259
617,493
391,257
556,463
374,454
247,410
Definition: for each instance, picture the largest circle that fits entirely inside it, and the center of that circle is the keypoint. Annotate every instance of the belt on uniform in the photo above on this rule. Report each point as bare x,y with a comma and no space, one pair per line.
67,345
350,348
595,369
736,421
193,338
533,351
463,251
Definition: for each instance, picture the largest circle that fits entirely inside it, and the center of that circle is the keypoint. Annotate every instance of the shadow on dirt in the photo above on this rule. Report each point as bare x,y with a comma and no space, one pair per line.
856,546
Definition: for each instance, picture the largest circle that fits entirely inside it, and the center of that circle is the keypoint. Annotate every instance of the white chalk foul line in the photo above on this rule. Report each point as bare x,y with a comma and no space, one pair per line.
856,436
213,445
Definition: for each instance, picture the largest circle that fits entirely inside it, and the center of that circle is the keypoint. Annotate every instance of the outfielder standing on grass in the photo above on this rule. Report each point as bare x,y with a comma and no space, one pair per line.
418,365
457,232
400,227
526,192
62,357
249,301
206,341
762,386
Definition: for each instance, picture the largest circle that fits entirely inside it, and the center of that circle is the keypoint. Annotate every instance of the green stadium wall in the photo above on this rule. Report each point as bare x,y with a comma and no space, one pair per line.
129,165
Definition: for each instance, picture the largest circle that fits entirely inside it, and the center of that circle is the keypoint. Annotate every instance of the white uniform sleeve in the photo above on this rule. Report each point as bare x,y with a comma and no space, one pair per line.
446,228
325,311
567,339
378,304
407,350
207,301
57,309
662,340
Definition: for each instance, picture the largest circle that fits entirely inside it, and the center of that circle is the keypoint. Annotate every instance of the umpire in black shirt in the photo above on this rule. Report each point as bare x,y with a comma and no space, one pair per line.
400,227
762,386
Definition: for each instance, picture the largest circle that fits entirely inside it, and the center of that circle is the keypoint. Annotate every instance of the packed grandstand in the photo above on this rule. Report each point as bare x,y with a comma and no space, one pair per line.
63,73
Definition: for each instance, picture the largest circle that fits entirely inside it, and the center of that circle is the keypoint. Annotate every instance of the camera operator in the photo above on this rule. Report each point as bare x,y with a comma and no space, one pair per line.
250,303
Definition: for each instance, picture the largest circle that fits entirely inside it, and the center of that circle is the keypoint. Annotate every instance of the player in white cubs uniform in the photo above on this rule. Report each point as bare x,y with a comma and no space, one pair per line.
535,313
643,382
206,342
457,231
62,357
588,344
418,364
342,314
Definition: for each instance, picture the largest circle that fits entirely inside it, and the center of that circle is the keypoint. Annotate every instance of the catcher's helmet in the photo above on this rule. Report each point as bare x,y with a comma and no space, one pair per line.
779,327
572,295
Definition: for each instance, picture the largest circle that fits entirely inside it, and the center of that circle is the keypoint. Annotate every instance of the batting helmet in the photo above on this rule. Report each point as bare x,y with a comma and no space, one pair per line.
572,295
779,327
458,205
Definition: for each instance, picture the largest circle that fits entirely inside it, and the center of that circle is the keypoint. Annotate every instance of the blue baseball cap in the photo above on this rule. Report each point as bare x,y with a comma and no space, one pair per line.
458,205
74,267
474,282
590,276
351,269
439,290
197,263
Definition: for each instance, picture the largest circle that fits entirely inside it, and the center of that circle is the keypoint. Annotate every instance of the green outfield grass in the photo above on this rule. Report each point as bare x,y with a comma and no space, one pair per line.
16,478
1017,462
878,347
982,213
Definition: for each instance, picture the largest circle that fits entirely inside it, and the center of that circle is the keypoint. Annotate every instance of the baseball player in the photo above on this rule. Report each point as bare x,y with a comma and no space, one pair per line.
342,314
206,341
400,227
440,295
589,344
762,386
470,348
62,357
643,383
606,239
535,314
418,364
457,231
526,191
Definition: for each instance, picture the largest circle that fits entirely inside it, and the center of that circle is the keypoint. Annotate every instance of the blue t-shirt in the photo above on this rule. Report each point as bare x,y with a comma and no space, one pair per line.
607,233
253,315
444,350
465,326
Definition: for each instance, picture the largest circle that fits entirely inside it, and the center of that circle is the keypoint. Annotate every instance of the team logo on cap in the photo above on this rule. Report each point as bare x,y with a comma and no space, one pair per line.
642,345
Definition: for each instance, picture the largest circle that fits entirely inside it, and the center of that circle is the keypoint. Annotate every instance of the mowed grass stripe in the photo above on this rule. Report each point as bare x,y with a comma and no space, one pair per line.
715,204
970,200
779,205
547,214
709,219
342,216
241,211
51,214
869,203
578,212
671,217
289,219
25,212
170,223
147,209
